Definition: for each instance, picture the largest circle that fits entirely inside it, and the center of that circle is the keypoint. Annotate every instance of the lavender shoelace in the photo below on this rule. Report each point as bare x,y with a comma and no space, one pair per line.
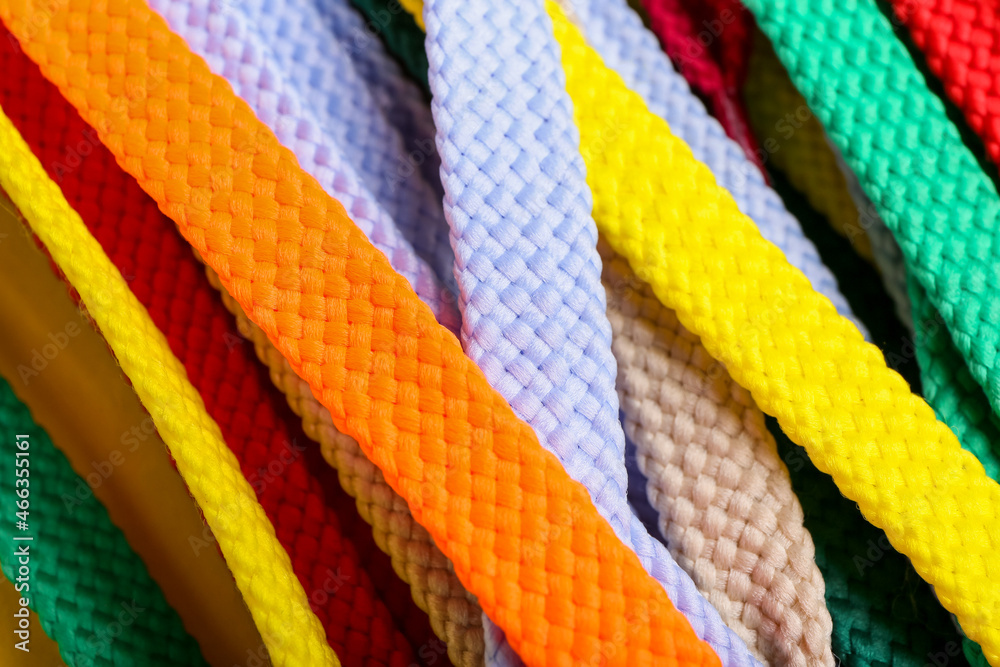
233,49
616,32
318,64
534,312
401,100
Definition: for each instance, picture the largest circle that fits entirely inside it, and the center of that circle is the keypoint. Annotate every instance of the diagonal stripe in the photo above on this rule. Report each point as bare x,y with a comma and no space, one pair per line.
273,594
516,527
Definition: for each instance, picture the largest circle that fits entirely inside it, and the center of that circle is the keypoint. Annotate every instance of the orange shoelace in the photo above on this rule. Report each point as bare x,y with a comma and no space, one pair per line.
524,537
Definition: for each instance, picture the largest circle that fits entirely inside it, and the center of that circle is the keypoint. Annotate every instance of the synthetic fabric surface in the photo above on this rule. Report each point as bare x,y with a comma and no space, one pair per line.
883,614
725,499
309,48
275,69
283,93
794,142
275,598
332,326
929,190
299,494
933,499
92,593
710,42
959,503
616,33
961,41
454,613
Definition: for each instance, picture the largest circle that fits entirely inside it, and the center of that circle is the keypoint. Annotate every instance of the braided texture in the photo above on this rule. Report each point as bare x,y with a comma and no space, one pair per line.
617,34
885,250
297,491
261,567
793,137
947,384
802,362
796,144
231,42
961,41
454,613
258,73
532,304
517,528
710,42
400,32
949,387
93,594
727,509
925,183
883,614
403,103
519,211
862,285
316,61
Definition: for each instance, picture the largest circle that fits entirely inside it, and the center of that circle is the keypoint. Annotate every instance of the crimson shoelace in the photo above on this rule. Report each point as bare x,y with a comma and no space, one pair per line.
961,42
709,42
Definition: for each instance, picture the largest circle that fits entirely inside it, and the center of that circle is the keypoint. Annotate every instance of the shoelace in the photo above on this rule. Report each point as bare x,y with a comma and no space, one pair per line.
317,61
312,523
820,602
883,614
616,33
233,49
924,181
92,593
819,436
961,41
928,491
261,567
726,505
813,605
710,41
390,375
401,34
950,388
948,385
519,210
781,116
404,104
259,79
531,298
486,85
454,613
794,142
940,209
